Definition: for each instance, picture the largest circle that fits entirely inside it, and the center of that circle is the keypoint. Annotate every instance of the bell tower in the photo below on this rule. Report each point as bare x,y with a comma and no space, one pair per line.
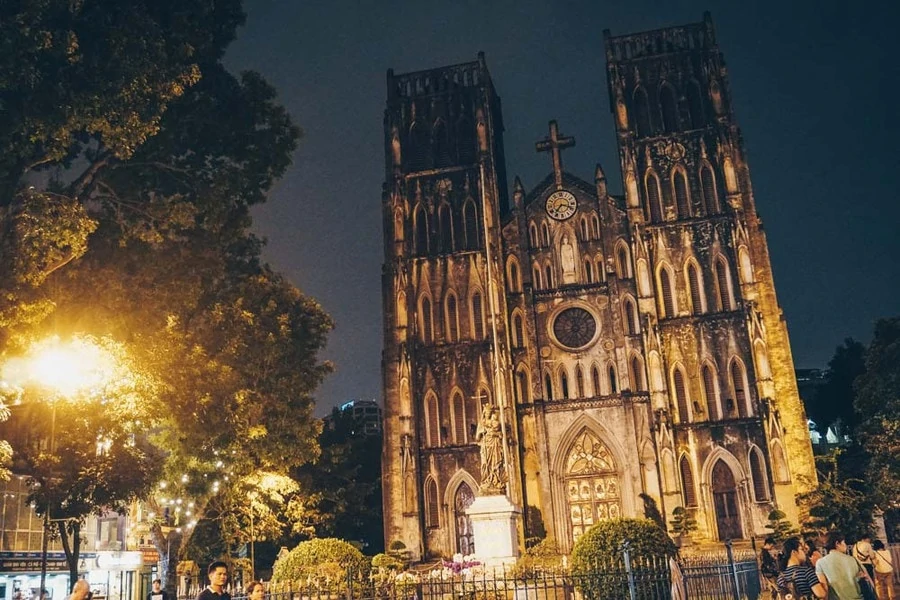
705,285
445,342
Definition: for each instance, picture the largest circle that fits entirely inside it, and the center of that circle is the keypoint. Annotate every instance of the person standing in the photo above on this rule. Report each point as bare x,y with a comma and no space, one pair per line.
838,571
157,593
862,551
884,571
218,577
796,574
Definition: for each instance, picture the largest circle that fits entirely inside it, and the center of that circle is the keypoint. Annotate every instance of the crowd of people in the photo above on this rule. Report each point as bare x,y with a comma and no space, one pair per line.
838,571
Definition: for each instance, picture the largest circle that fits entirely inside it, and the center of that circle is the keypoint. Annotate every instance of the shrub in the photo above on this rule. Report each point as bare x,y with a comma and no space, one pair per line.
683,523
782,529
542,558
597,560
320,563
386,562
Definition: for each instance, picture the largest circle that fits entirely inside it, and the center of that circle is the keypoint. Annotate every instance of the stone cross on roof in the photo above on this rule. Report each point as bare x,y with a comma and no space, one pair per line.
553,145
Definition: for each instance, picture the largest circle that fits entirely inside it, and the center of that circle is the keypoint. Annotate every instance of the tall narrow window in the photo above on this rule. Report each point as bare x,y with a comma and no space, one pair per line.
669,108
631,325
695,105
708,185
740,391
518,332
548,276
470,218
595,380
524,394
681,398
637,374
548,386
545,235
584,229
459,419
477,317
473,416
421,224
613,380
465,538
427,328
532,235
564,384
622,262
536,278
682,201
433,423
668,294
579,382
588,271
514,277
432,510
452,319
654,200
758,474
641,113
709,390
722,281
688,493
446,225
694,285
595,227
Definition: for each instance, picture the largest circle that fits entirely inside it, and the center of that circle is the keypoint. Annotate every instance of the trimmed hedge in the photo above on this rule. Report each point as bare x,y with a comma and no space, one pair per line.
312,559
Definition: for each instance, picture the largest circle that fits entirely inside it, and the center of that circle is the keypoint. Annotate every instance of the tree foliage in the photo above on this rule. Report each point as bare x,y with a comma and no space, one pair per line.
837,503
309,559
833,400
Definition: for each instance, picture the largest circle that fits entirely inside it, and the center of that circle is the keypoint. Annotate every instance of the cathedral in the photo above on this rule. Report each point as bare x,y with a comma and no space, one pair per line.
630,345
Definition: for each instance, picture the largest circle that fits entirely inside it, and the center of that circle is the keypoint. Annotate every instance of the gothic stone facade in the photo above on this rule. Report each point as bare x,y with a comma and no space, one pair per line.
631,344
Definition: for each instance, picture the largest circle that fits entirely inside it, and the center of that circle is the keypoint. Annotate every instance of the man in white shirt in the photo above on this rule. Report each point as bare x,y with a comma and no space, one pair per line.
839,572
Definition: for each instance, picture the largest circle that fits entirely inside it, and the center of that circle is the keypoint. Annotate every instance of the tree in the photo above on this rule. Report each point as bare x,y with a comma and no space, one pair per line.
878,406
833,401
780,526
683,522
836,503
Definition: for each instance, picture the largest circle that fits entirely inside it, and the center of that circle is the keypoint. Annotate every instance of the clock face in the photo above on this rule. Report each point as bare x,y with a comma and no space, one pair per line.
574,327
561,205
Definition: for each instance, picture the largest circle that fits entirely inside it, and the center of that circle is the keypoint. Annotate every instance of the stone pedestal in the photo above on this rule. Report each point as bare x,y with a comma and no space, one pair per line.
495,529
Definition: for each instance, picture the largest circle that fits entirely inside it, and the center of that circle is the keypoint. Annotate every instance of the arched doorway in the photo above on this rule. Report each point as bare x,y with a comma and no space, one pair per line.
592,484
465,540
728,517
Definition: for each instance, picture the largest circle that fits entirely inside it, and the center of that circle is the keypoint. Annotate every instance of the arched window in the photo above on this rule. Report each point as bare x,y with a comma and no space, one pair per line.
668,293
584,229
588,271
688,493
432,509
470,218
401,310
682,200
723,284
421,227
427,332
623,268
595,380
654,198
637,374
452,319
739,386
545,235
536,278
669,108
532,235
695,105
564,383
679,389
432,421
477,317
630,315
473,415
514,284
591,483
518,332
446,225
641,113
524,392
548,276
758,474
465,538
709,390
459,418
548,386
708,186
600,270
579,382
613,379
418,148
595,227
693,276
441,145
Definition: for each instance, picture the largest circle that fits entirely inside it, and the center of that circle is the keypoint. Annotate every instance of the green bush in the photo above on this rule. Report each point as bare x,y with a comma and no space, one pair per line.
540,559
597,561
386,561
683,523
321,563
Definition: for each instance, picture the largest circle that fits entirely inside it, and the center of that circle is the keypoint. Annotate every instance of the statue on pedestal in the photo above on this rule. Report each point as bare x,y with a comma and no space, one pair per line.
490,440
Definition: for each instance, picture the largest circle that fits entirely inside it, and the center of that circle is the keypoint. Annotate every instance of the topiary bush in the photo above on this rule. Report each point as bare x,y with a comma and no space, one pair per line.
598,565
322,564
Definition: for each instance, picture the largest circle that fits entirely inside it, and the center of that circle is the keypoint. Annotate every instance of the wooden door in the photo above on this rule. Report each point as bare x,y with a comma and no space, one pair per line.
728,517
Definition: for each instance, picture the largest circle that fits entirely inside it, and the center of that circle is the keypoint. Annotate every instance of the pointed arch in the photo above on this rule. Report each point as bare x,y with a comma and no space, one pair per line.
445,224
417,157
657,380
470,225
588,270
666,291
636,366
476,310
432,420
723,284
669,108
399,232
641,111
630,316
518,330
451,317
523,384
473,414
595,227
745,266
545,235
536,279
548,385
695,105
708,187
780,469
739,387
688,489
612,378
584,229
401,309
623,261
654,212
595,381
563,383
680,393
643,278
681,193
426,324
458,417
758,475
463,498
440,144
600,269
579,382
432,508
548,275
711,392
763,370
512,274
420,226
533,235
694,277
592,487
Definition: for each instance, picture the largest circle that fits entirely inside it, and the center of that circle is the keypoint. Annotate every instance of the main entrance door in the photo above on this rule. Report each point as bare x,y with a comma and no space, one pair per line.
728,519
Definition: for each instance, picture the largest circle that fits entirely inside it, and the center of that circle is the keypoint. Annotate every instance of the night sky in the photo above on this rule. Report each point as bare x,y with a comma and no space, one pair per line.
813,85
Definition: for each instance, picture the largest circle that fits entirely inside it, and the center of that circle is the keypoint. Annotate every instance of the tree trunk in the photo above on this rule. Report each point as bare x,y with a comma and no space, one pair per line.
168,545
73,550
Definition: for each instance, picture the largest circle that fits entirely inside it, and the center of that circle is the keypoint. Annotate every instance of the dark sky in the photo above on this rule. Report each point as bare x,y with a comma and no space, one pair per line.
813,84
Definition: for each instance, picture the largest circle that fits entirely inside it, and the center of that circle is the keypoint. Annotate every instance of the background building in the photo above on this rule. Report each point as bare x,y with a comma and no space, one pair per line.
633,344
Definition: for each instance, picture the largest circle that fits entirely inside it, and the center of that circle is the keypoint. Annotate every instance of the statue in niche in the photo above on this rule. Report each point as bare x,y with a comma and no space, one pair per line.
490,440
567,254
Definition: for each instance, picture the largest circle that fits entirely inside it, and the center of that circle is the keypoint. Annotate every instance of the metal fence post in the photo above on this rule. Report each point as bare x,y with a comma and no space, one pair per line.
626,551
734,574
